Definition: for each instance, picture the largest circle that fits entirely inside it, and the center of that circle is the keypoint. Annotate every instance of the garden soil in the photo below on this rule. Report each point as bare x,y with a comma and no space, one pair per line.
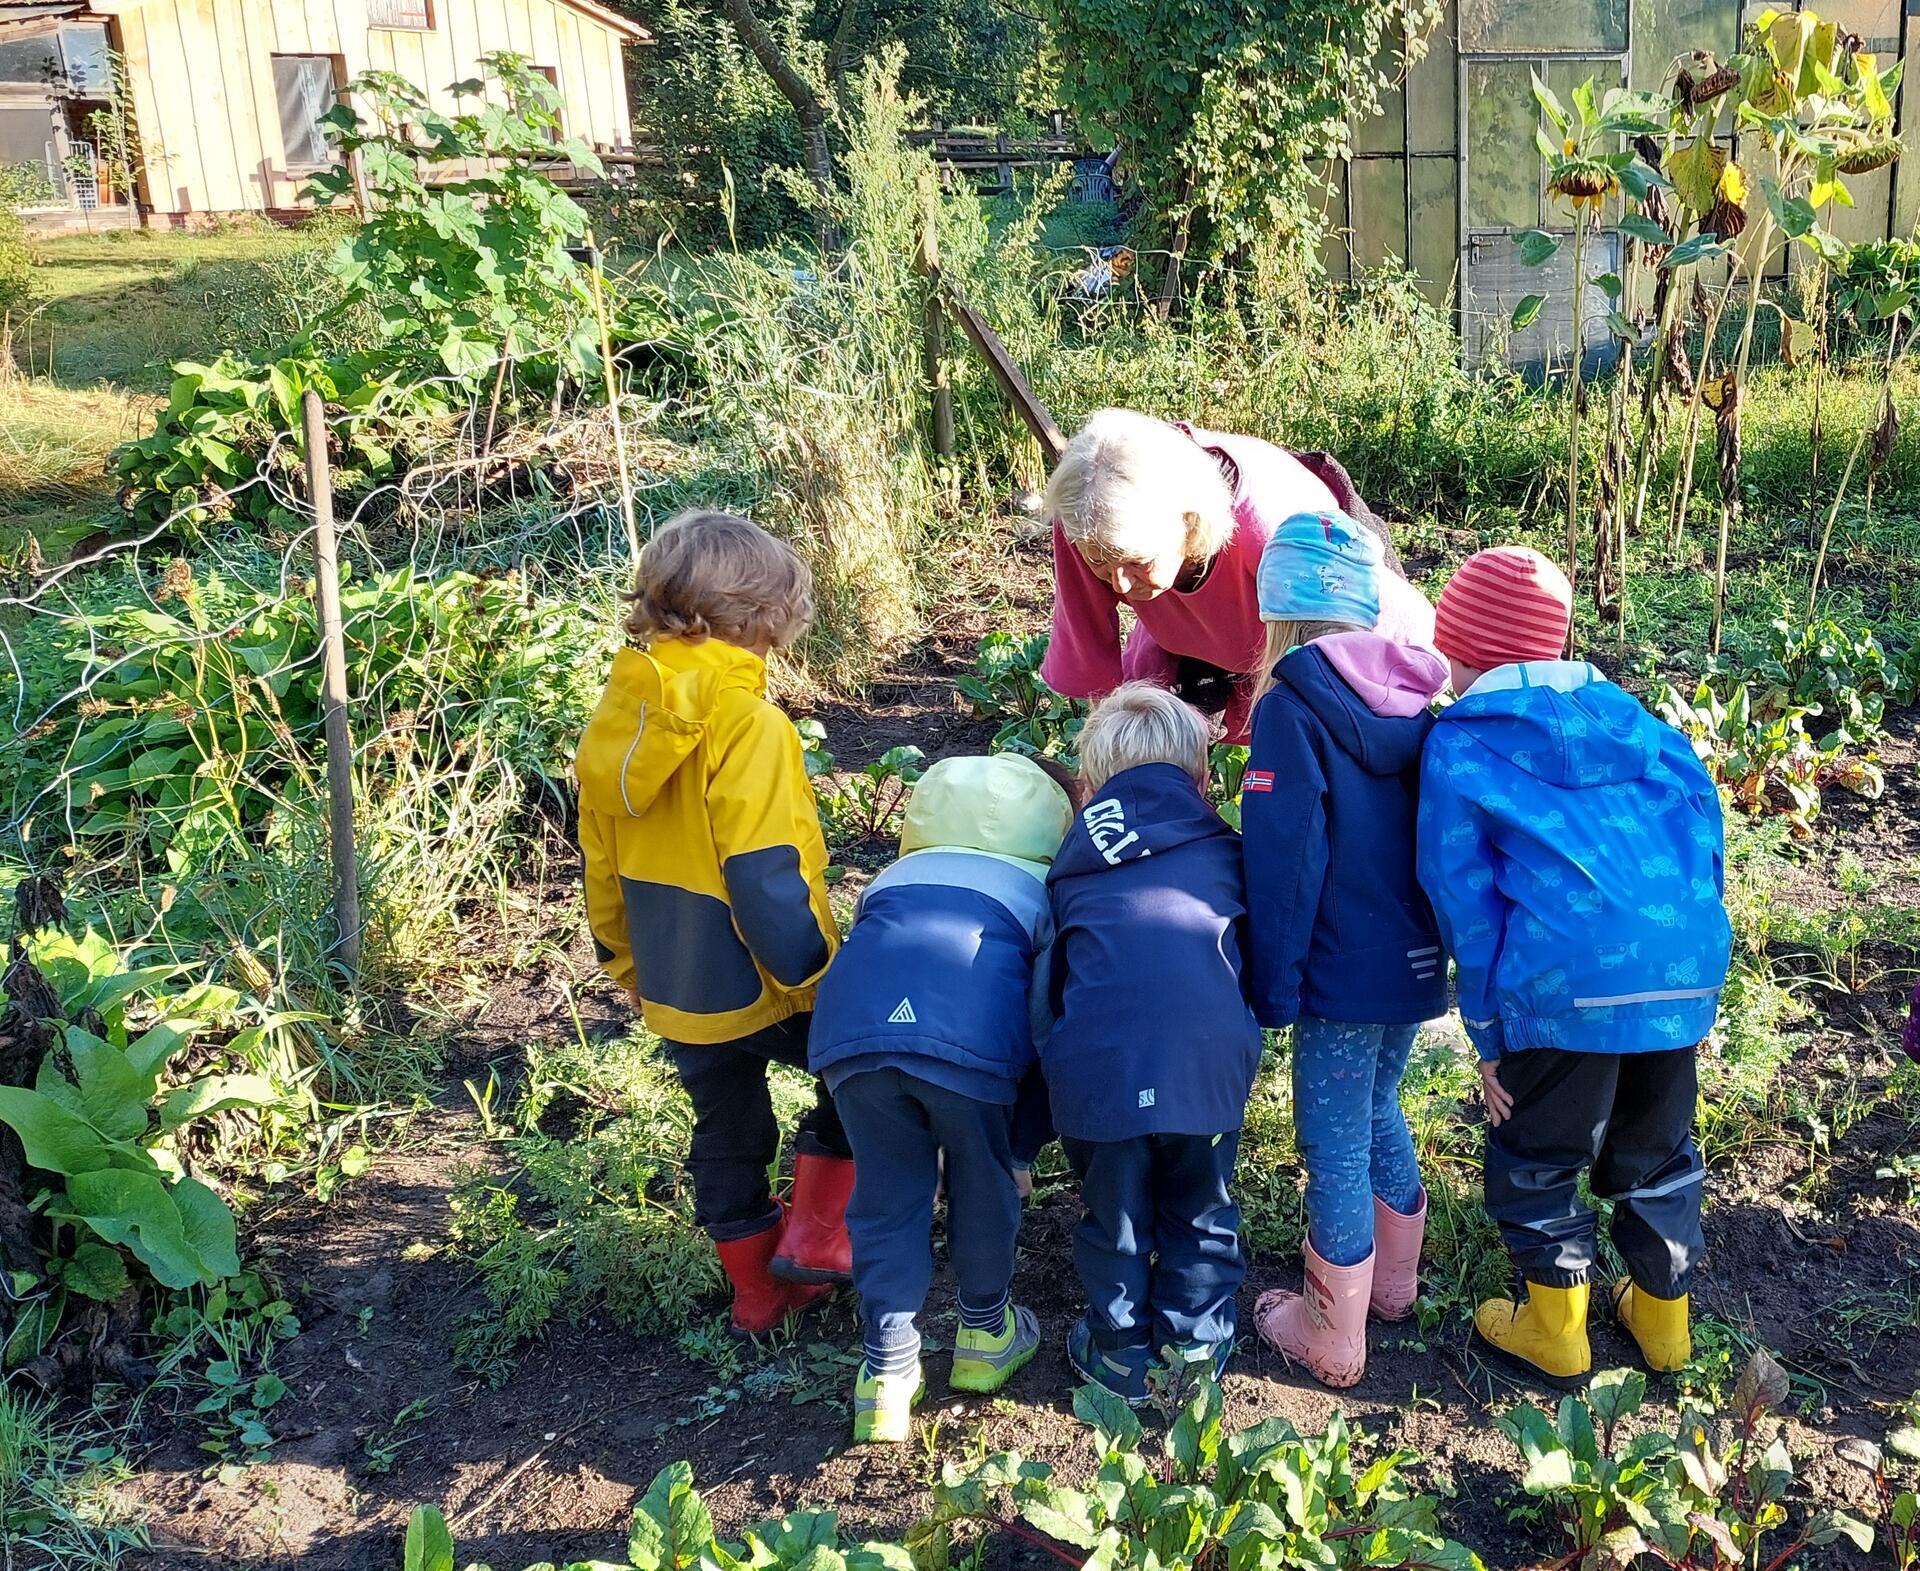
1809,1250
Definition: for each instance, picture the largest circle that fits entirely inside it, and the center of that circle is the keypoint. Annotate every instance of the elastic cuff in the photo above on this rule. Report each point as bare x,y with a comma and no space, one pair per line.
729,1232
1553,1277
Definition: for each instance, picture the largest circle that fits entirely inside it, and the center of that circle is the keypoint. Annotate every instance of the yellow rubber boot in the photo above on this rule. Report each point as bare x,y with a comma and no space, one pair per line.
1544,1335
1659,1325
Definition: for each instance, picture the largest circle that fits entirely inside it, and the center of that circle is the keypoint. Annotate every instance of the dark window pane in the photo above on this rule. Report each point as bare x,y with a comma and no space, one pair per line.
88,73
303,85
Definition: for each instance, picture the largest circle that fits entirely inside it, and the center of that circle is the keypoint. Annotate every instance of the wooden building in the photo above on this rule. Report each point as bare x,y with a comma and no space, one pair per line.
226,95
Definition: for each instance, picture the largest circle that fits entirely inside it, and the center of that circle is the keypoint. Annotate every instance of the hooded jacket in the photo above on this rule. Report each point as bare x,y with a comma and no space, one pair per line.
1573,849
1337,924
704,858
936,976
1151,1033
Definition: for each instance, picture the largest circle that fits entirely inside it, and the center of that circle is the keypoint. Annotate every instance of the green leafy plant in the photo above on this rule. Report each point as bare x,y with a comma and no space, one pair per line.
101,1118
1266,1496
477,266
1769,763
869,805
1226,768
1702,1498
672,1530
1225,124
1006,685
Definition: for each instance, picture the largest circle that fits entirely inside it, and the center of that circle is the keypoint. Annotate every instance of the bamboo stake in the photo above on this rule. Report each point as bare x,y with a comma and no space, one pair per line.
333,687
613,397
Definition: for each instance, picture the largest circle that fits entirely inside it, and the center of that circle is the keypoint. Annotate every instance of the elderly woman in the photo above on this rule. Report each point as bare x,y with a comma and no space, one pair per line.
1172,520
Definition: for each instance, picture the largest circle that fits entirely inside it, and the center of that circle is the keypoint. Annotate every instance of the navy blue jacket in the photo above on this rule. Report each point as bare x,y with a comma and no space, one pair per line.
1337,924
936,977
1151,1032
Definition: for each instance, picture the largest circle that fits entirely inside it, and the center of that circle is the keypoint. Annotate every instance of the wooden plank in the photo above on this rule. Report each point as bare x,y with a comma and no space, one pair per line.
179,128
519,29
584,111
323,29
257,43
155,156
243,116
617,77
437,58
1026,403
545,50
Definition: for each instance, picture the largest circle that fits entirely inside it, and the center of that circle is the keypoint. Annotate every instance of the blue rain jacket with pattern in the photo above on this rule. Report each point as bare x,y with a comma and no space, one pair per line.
1573,849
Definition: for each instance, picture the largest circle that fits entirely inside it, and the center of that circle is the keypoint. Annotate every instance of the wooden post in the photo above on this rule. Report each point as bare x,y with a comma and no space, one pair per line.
1039,419
934,326
1006,168
333,687
613,398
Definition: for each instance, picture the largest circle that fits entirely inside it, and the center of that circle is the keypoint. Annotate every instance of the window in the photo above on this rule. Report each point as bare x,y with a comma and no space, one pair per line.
304,86
416,14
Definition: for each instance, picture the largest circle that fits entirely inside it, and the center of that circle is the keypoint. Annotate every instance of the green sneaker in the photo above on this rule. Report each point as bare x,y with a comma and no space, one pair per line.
883,1406
984,1362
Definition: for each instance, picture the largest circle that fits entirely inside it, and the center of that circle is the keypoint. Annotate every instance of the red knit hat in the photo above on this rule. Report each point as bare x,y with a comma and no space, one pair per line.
1505,605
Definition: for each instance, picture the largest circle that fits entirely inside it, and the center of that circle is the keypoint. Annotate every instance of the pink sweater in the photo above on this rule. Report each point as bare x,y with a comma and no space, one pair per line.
1219,622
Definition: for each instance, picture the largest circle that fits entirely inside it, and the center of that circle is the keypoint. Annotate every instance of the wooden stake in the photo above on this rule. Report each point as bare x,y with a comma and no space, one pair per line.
333,687
613,398
934,327
1038,418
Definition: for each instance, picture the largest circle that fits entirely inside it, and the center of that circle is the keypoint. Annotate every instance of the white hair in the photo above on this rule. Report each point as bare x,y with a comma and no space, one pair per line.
1135,487
1138,723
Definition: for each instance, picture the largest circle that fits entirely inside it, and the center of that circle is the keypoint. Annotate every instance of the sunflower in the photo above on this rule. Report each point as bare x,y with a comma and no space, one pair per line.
1584,180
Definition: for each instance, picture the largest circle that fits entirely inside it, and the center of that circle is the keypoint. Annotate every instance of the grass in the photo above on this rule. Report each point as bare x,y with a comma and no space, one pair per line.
57,1490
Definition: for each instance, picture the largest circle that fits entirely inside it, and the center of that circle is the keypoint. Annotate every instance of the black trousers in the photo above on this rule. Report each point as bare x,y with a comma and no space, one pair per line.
1628,1118
735,1135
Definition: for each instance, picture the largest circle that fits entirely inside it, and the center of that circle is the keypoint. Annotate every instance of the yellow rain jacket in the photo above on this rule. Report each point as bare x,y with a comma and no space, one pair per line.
703,850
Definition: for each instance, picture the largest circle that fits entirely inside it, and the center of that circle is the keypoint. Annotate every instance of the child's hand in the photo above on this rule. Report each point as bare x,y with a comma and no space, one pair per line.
633,997
1498,1098
1023,1182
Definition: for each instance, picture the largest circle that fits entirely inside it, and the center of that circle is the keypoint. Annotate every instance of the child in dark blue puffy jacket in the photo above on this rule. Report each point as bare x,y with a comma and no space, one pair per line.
1152,1050
1342,944
1572,846
923,1030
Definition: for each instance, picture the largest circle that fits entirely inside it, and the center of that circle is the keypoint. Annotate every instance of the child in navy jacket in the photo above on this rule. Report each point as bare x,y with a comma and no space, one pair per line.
1342,944
923,1030
1152,1050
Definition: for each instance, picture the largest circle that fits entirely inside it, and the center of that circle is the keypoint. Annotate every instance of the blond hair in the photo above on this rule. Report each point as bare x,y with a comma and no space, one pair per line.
713,575
1132,486
1138,723
1286,634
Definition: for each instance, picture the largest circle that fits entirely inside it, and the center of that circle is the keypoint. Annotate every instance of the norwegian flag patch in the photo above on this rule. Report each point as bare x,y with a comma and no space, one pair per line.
1257,780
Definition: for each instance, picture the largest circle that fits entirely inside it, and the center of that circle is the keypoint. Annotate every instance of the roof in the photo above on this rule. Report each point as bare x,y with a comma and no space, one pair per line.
41,10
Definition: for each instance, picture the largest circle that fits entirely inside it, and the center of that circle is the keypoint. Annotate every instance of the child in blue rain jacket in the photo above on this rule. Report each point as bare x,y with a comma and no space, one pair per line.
1152,1050
923,1030
1572,847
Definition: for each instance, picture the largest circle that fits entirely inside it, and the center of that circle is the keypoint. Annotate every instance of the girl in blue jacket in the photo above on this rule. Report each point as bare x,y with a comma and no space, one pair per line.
1342,944
1152,1050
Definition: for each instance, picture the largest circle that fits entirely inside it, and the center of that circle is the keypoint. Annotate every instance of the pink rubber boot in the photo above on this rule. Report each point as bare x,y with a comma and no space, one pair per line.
1324,1328
1396,1258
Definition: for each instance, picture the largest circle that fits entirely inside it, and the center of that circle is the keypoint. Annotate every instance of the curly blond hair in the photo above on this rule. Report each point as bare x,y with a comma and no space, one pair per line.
1132,486
714,575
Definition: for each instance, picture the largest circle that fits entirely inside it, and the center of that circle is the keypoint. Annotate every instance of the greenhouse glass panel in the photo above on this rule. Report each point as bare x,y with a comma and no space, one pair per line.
1431,124
1433,226
1664,30
1379,211
1543,26
1503,165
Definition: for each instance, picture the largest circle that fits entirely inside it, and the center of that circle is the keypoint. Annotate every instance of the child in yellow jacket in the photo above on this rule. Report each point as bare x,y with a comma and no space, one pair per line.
706,895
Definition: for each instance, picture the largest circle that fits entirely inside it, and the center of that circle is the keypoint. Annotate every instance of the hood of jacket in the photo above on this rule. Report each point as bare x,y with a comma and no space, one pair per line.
1381,744
1152,807
1562,722
1005,805
1393,678
658,704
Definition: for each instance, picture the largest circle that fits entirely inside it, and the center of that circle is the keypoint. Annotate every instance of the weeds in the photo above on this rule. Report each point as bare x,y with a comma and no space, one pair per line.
57,1493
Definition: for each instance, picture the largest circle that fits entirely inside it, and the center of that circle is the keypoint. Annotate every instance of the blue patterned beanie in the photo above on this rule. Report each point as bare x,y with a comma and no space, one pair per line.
1321,567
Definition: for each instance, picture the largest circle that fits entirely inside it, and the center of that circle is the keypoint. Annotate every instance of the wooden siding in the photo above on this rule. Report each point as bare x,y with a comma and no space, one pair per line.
202,77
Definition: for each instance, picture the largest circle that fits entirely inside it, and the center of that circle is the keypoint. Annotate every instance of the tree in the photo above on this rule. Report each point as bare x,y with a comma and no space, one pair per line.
808,108
1223,112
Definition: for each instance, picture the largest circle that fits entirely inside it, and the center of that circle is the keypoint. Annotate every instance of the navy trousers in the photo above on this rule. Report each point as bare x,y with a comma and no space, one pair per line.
897,1126
735,1135
1158,1246
1628,1117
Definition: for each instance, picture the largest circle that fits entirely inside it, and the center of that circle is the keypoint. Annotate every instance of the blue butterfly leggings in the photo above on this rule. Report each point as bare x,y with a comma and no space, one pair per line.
1353,1137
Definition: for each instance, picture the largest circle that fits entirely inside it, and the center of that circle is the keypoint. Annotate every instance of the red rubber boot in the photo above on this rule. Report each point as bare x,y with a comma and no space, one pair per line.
760,1299
815,1247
